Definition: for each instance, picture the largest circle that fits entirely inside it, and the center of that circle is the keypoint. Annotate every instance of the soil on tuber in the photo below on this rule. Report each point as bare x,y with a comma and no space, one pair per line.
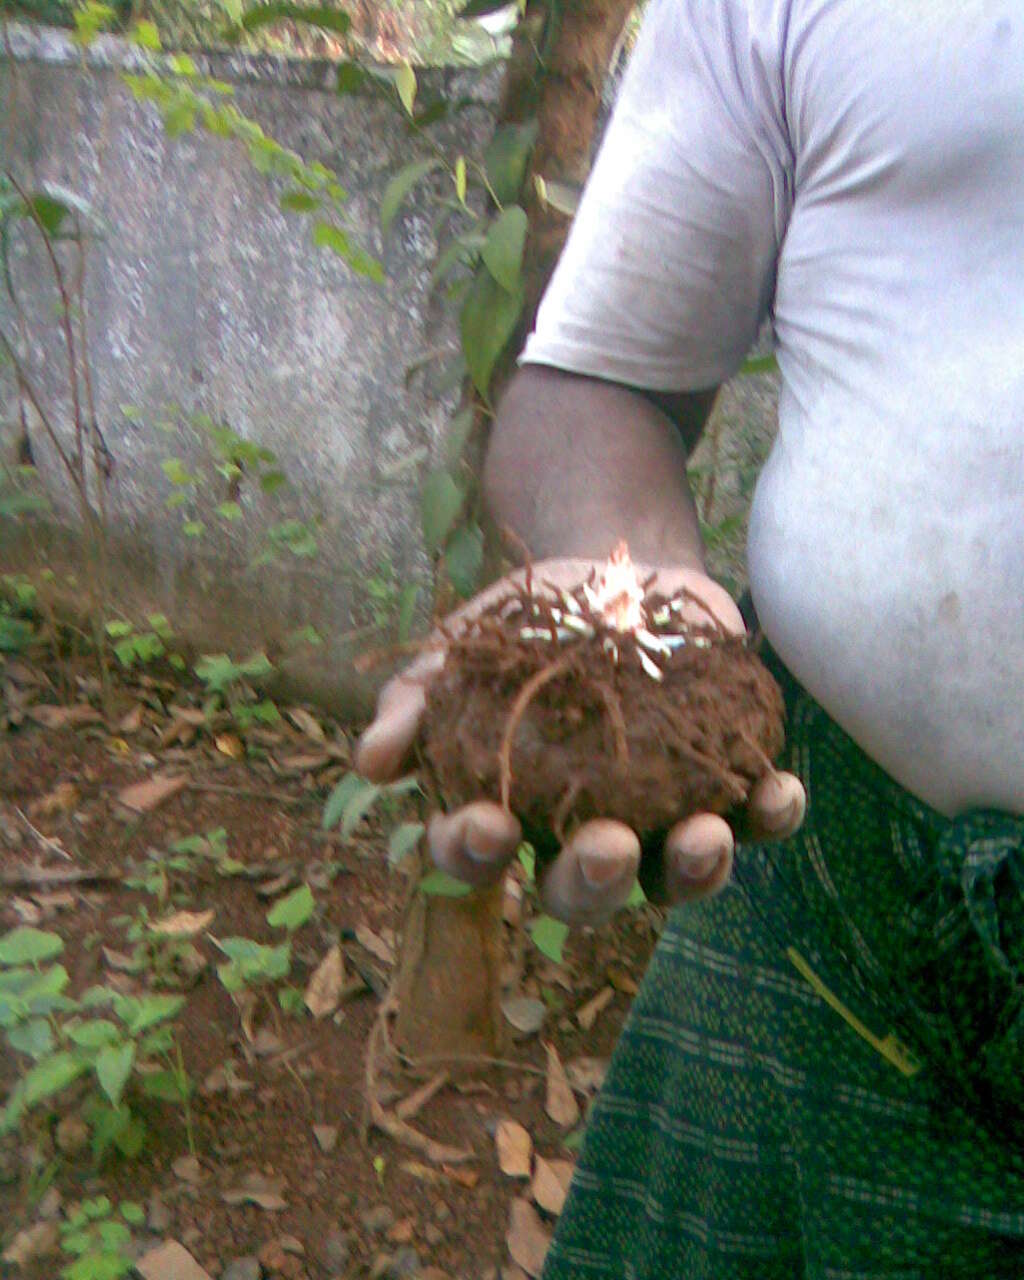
565,706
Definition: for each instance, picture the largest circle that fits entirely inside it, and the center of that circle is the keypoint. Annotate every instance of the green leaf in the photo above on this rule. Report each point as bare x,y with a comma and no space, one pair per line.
51,1075
34,1038
193,528
464,558
403,840
292,1001
351,76
90,19
637,897
315,15
347,790
407,610
440,884
182,65
29,946
166,1086
229,511
292,911
175,471
298,202
132,1212
94,1034
252,962
400,186
145,35
440,504
481,8
113,1067
549,936
460,179
503,249
760,364
405,86
138,1013
457,435
487,322
507,157
357,809
574,1141
328,236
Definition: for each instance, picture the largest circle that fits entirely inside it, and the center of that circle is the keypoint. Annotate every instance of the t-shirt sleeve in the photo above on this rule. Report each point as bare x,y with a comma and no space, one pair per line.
669,268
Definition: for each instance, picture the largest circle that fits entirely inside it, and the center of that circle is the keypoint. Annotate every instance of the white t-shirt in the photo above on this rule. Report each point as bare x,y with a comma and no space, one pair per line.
854,170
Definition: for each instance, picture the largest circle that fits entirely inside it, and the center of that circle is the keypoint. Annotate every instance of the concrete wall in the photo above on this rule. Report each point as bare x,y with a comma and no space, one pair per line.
205,295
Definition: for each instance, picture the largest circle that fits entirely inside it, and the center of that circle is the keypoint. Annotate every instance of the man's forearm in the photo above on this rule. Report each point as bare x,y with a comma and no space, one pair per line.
574,464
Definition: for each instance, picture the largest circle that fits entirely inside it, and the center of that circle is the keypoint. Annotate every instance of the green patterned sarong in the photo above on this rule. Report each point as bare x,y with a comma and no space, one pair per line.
821,1078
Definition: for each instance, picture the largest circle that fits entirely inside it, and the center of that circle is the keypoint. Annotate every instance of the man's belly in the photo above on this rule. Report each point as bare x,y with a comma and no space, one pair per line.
900,607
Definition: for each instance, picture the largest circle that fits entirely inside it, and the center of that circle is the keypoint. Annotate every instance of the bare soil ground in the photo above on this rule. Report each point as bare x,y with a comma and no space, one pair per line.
276,1095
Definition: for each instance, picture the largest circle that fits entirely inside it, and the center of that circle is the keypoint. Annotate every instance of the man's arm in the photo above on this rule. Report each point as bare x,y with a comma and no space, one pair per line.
575,464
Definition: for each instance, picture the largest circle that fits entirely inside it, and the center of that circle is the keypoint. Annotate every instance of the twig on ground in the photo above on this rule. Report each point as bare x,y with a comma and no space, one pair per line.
51,846
387,1121
53,877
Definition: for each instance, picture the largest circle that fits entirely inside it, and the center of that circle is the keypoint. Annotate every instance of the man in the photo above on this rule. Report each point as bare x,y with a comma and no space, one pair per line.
821,1076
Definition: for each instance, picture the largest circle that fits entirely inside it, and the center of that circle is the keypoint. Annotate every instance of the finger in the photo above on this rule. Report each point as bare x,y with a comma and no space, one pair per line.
388,739
697,860
593,875
775,807
475,843
709,601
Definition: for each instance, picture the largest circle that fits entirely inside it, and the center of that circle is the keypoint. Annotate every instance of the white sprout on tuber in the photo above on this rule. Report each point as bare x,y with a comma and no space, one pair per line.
617,597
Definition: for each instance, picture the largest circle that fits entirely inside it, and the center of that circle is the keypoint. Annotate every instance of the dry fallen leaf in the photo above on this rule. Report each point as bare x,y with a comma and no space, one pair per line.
225,1079
301,763
326,1137
515,1146
465,1177
62,717
141,797
550,1184
560,1103
183,924
27,911
375,944
587,1074
265,1043
512,902
31,1244
423,1172
257,1189
170,1261
525,1013
587,1014
188,1169
118,960
324,989
228,745
61,799
306,723
527,1238
622,980
131,721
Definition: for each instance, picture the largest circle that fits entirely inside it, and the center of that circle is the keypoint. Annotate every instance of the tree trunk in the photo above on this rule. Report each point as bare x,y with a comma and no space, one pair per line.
449,977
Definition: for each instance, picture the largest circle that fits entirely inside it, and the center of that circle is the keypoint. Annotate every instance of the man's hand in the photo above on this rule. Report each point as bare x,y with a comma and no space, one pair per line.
593,875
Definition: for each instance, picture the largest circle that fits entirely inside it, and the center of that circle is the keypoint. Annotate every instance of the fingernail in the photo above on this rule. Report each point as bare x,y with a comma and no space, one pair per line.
783,820
600,872
478,855
699,866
